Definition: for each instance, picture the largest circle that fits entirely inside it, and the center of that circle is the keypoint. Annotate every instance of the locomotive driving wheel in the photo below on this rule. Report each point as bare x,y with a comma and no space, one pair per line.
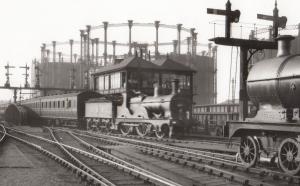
287,154
125,129
143,129
249,151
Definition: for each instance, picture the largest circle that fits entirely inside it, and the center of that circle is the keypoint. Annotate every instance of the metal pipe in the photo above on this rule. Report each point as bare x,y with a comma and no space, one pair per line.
71,50
81,44
175,46
88,30
156,23
54,48
105,24
59,56
97,49
192,31
188,40
195,43
130,22
48,55
85,48
93,57
114,51
179,26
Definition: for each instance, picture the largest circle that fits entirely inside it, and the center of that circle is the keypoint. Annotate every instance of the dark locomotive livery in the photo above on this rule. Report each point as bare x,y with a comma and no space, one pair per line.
273,85
146,114
161,114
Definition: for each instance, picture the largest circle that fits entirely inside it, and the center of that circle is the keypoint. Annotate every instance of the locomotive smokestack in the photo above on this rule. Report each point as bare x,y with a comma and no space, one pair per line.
284,45
156,90
175,86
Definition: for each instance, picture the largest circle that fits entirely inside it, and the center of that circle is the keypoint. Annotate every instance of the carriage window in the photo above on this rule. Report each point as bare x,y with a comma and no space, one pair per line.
69,104
96,83
58,104
100,83
115,80
123,79
106,82
63,104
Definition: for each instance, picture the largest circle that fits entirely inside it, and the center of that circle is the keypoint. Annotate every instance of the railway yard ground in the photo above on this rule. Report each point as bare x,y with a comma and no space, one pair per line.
93,158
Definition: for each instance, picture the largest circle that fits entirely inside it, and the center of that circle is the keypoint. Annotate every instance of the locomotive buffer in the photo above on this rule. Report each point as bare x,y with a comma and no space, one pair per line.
246,46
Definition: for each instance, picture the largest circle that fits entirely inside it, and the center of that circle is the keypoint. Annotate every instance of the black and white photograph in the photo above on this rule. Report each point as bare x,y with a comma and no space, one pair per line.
149,93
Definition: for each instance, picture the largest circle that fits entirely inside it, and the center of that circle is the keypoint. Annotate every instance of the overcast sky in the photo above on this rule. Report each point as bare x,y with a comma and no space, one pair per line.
25,25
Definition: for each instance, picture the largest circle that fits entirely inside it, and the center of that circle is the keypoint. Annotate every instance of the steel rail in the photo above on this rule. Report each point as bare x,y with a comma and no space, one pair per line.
201,167
112,157
4,133
136,172
80,164
207,154
239,166
80,173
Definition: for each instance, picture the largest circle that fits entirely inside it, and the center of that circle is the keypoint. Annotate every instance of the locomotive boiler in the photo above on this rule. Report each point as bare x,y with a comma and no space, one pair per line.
273,85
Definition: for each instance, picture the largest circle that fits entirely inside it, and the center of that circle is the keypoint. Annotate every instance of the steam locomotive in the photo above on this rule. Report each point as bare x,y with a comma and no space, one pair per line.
159,114
273,85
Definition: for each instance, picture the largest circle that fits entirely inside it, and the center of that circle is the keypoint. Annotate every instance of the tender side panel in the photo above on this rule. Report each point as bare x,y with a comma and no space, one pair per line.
98,110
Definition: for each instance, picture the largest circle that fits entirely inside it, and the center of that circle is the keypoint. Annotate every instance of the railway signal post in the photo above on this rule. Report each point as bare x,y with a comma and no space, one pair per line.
26,67
230,17
247,49
278,22
7,74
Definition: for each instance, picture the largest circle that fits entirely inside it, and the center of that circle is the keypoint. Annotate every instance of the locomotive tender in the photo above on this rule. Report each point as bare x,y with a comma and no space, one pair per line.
273,85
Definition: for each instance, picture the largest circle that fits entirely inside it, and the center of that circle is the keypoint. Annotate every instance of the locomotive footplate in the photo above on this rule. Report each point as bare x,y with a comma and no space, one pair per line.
242,128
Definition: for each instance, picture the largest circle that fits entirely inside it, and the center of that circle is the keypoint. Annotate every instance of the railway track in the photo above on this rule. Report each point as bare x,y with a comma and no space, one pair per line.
3,133
146,177
83,175
202,140
206,163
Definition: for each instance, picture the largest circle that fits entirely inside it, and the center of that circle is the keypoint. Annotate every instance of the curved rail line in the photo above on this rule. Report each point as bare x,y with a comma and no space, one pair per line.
86,177
193,159
166,147
80,164
134,170
154,139
4,133
203,168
